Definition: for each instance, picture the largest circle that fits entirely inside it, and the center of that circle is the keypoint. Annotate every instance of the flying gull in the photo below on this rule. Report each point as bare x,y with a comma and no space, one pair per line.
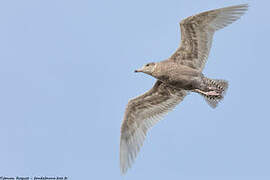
176,76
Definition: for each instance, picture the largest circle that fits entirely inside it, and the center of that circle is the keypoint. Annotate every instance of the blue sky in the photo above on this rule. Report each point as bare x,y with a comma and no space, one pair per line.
66,75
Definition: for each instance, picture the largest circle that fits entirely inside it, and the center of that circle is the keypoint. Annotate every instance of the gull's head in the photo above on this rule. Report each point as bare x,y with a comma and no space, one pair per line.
147,68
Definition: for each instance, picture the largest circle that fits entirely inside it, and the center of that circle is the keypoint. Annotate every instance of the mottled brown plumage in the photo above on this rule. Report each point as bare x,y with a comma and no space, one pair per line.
176,76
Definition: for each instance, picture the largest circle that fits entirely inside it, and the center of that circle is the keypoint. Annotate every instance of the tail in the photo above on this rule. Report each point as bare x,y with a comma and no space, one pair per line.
220,87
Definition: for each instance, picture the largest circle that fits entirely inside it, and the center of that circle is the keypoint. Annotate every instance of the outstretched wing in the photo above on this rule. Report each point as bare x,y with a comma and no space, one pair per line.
197,32
142,113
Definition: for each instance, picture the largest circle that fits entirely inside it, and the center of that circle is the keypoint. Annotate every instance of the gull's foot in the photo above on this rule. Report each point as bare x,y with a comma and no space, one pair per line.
208,93
212,93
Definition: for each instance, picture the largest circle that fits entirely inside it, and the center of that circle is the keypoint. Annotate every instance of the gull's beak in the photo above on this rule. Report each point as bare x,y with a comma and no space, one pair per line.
138,70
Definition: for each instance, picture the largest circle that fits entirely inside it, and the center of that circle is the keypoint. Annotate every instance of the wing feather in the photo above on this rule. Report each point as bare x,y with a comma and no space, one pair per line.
141,114
197,33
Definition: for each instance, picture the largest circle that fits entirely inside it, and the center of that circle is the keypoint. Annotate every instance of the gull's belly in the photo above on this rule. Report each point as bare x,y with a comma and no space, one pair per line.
186,82
179,76
183,82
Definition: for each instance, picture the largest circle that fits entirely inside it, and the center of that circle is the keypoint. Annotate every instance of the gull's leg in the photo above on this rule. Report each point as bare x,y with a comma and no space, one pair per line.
208,93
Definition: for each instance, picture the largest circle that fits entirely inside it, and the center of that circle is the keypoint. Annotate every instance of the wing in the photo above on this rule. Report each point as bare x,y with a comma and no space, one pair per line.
142,113
197,32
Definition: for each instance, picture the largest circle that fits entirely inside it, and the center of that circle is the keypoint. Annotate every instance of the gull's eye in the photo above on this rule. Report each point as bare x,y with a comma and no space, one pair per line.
147,65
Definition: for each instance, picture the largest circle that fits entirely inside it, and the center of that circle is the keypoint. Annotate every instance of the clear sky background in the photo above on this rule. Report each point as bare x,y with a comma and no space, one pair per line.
66,74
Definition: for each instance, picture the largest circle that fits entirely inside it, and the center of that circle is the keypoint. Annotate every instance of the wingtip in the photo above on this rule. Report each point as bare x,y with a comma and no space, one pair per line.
239,7
123,171
126,158
243,7
123,154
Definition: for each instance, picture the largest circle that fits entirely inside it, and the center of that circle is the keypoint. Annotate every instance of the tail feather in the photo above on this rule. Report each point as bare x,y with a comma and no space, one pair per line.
220,86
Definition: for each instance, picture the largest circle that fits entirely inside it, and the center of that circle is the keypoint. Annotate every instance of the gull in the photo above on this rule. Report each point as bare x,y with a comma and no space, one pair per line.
176,76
